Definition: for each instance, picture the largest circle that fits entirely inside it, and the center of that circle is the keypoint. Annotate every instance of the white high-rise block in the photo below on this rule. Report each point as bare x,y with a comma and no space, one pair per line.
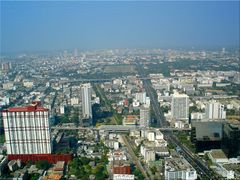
86,101
27,130
180,106
144,117
215,110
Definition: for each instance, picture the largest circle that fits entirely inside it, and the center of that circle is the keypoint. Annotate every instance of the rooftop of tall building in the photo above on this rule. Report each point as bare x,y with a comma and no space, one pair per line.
176,94
35,106
176,164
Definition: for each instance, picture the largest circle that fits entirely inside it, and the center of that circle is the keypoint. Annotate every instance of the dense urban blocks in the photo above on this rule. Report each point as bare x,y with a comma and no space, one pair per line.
113,122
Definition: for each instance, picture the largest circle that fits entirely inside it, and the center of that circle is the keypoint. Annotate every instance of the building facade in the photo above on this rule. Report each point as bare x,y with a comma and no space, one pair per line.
27,130
231,139
215,110
141,97
207,134
123,177
144,117
180,107
148,153
86,101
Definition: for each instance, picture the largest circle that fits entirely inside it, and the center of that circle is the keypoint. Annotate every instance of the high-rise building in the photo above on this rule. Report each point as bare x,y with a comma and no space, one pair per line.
231,139
215,110
180,106
75,53
6,66
65,54
86,101
144,117
27,130
141,97
207,134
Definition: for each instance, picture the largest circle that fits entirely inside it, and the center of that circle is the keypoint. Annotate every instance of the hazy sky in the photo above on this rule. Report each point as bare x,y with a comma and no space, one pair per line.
40,26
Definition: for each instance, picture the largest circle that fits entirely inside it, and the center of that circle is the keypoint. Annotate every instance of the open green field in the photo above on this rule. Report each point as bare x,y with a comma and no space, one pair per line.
120,69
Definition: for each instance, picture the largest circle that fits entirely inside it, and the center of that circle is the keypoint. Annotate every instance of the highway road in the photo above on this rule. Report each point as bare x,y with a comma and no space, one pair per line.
145,167
161,121
201,168
112,128
92,80
135,159
193,159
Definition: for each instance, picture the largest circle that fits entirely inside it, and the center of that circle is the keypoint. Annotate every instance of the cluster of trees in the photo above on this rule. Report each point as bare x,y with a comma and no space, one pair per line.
99,115
232,112
165,109
233,89
71,115
166,67
2,138
194,109
158,68
137,173
153,169
185,139
81,168
43,164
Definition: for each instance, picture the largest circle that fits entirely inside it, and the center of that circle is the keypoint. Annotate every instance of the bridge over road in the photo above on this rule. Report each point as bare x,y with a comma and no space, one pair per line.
115,128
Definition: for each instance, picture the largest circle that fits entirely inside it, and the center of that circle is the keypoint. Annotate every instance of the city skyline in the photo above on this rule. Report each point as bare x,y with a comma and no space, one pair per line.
46,26
120,90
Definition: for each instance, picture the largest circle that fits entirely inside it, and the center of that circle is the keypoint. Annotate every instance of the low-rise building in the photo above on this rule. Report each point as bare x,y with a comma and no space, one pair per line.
121,167
179,168
148,153
123,177
74,101
117,156
130,120
162,151
13,165
197,116
58,168
217,156
52,177
28,84
226,170
21,174
7,85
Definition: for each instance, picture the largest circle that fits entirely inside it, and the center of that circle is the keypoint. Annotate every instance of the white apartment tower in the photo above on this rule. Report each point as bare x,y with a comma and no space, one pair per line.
86,101
144,117
141,97
215,110
27,130
180,106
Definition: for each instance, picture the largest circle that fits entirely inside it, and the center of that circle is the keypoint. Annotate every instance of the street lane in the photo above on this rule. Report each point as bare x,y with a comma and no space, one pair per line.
201,168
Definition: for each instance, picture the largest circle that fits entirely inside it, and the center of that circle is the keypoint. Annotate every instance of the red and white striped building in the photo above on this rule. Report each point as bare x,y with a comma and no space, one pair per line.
27,130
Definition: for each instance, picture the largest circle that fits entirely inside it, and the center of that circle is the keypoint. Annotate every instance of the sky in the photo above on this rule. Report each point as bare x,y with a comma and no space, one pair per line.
56,25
